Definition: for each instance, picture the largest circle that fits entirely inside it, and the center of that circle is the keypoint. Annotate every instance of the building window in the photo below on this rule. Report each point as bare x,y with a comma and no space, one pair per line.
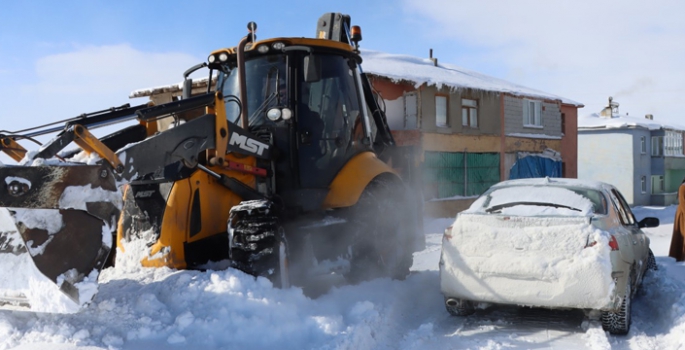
411,111
657,146
643,184
441,111
532,113
657,184
563,124
673,143
643,145
469,113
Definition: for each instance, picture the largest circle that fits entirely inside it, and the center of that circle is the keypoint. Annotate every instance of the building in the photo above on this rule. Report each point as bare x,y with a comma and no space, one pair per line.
643,158
472,130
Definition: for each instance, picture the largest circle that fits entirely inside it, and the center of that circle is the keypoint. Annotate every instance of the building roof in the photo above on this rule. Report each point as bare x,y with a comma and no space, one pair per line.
413,69
623,121
423,71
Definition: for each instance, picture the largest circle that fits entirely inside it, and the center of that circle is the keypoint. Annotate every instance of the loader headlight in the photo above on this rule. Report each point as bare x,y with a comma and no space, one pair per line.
262,49
274,114
211,59
286,113
278,45
223,57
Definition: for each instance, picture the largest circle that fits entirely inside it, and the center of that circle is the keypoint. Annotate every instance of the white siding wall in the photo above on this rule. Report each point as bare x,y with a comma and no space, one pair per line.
608,157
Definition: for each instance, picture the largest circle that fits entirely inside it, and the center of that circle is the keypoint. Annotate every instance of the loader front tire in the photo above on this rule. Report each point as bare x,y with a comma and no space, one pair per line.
257,242
381,245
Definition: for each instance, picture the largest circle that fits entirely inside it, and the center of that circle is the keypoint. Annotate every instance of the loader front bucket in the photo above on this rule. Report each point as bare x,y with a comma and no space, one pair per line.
62,219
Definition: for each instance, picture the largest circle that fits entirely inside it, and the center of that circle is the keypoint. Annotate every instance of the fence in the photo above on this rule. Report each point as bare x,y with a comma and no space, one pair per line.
450,174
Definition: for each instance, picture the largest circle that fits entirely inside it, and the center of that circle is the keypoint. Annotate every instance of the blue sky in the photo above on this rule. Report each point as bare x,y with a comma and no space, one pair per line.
60,59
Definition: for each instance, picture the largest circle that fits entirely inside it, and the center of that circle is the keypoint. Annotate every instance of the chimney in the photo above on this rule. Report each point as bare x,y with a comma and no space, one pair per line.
435,60
649,116
610,110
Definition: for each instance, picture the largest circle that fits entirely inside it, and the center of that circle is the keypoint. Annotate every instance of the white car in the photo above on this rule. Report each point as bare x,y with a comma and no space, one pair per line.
553,243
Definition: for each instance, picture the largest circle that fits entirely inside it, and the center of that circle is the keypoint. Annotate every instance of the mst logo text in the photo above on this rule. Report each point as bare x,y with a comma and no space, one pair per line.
248,144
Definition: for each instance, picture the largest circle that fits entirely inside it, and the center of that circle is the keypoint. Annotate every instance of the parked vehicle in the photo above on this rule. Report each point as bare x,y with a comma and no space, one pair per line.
546,242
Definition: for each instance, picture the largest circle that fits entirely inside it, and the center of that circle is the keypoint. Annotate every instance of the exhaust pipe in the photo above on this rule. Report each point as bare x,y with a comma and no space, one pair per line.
452,302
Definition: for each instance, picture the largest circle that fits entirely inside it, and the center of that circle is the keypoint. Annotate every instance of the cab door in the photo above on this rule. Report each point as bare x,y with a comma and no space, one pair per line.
328,104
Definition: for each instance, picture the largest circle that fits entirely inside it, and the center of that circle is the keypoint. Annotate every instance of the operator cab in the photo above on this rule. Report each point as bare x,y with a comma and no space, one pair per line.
306,96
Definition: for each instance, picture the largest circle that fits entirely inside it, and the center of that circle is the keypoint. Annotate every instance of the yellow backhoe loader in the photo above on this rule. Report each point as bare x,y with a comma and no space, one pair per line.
284,168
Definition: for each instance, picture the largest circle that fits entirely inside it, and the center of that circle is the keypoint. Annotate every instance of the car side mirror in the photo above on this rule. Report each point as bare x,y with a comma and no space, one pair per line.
648,222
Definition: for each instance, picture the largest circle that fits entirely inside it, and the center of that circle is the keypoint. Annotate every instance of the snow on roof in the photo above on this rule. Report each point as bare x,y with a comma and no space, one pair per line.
595,121
197,83
422,71
409,68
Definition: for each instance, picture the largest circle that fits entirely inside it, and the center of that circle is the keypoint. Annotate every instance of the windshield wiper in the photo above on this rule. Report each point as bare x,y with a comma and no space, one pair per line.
499,207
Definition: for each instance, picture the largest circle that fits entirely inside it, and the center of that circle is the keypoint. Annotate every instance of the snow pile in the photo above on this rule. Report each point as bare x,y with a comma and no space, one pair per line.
527,261
140,309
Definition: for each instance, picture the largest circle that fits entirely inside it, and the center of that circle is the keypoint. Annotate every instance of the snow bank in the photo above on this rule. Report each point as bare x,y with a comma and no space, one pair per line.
139,309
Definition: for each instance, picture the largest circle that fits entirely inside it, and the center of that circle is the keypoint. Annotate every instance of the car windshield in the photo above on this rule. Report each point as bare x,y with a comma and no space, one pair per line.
531,200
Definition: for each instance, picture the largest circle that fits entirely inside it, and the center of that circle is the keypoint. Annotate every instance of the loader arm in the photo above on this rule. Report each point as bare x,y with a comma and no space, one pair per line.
10,147
83,202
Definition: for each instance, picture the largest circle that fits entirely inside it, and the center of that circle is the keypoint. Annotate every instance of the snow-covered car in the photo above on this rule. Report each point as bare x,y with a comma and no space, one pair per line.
547,242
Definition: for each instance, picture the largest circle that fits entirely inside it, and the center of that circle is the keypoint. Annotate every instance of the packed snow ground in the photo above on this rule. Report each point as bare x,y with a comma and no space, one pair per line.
166,309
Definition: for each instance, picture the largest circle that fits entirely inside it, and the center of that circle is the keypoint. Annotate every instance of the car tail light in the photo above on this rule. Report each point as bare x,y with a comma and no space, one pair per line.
613,243
448,233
